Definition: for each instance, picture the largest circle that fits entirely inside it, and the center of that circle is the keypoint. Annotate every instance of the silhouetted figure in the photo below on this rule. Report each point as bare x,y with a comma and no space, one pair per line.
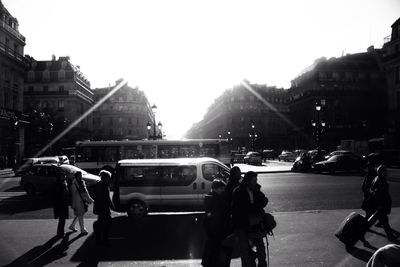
256,216
101,207
216,224
368,204
243,208
80,200
234,177
61,202
382,200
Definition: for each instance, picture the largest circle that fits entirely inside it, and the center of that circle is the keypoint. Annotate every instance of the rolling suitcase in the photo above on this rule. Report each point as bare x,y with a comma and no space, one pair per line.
353,228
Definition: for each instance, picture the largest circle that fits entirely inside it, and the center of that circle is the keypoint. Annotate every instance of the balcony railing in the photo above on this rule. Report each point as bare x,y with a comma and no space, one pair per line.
12,53
12,31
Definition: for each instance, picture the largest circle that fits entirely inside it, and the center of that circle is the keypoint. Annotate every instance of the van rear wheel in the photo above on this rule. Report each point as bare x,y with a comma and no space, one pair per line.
137,209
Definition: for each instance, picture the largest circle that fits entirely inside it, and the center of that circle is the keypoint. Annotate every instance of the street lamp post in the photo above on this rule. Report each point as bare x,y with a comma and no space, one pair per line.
149,125
252,135
318,124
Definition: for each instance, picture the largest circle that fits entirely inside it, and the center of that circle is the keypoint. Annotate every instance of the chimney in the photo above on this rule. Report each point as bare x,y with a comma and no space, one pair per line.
53,57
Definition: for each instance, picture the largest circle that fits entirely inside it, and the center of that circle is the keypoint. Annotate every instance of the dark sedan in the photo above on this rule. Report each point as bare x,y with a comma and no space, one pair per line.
340,163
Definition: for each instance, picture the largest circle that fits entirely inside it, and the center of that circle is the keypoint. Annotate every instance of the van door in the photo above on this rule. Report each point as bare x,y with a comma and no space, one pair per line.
211,171
179,186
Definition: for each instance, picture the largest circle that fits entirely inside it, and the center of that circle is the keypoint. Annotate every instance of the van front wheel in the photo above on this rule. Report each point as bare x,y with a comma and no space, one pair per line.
137,209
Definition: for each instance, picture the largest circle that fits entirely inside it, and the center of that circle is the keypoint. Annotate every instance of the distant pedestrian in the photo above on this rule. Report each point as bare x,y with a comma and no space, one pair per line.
80,200
216,223
382,200
101,207
388,255
61,202
243,200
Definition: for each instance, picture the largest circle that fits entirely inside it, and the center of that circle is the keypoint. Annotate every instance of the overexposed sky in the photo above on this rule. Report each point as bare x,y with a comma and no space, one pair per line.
183,54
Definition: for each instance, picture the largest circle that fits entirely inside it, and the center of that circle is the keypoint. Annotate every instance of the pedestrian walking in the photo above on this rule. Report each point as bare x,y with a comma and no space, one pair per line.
80,200
216,223
101,207
388,255
234,177
61,202
243,207
257,233
382,200
368,202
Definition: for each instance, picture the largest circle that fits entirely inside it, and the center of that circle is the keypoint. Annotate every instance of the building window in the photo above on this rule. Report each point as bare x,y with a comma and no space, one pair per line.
30,88
111,121
398,74
61,75
61,88
335,76
398,101
46,76
31,76
45,88
61,104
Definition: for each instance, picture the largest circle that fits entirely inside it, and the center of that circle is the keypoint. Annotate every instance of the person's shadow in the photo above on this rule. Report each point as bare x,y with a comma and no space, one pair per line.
154,237
46,253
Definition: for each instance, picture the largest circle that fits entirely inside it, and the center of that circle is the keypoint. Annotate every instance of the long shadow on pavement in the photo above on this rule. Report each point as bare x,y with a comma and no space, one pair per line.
46,253
155,237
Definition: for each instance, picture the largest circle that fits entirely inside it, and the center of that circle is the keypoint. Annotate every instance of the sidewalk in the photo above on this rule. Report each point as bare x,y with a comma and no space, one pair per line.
301,239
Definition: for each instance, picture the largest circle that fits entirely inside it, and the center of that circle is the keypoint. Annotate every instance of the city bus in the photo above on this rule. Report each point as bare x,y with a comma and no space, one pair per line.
93,156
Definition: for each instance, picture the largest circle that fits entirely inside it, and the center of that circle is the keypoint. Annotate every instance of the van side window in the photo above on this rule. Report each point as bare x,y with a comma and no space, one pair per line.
214,171
140,176
178,175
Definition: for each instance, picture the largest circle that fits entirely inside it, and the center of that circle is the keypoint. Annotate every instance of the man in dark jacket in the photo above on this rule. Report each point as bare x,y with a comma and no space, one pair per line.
61,201
101,207
383,201
216,224
247,200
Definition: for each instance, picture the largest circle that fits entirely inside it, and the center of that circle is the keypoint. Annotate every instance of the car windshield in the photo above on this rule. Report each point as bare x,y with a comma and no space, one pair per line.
335,158
71,169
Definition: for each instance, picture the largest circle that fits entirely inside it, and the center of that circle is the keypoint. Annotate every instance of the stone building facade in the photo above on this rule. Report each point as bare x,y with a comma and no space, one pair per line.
248,115
351,91
12,71
391,63
123,116
59,89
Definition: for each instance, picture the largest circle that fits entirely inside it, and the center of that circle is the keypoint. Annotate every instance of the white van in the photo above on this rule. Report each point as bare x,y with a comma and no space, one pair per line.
143,185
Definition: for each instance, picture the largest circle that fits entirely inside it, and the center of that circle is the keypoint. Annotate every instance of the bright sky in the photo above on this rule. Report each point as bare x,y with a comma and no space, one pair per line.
183,54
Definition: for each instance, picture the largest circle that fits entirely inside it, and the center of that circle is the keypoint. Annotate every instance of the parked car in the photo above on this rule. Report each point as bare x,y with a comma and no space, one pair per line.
41,177
340,163
388,157
288,156
27,162
269,154
253,158
340,152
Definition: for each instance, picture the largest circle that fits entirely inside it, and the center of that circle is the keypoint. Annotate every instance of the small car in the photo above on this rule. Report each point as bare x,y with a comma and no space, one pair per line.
41,177
269,154
340,163
253,158
340,152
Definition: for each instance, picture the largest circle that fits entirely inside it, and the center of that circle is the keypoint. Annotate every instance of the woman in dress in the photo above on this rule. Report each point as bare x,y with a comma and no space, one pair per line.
80,201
